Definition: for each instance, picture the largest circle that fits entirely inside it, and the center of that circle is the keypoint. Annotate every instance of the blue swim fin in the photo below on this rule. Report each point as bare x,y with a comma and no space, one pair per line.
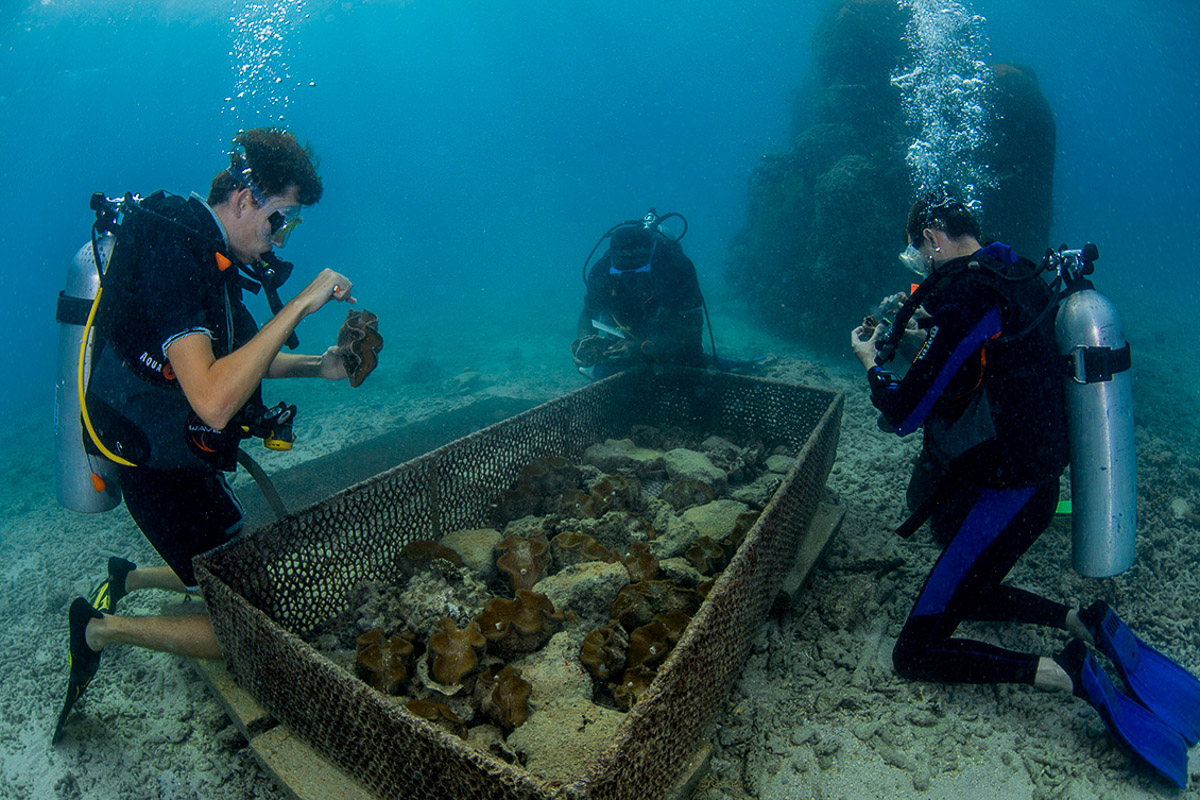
1167,689
1150,738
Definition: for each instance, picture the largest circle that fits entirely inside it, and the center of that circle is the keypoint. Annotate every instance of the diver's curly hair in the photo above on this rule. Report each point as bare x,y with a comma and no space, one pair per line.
276,161
942,211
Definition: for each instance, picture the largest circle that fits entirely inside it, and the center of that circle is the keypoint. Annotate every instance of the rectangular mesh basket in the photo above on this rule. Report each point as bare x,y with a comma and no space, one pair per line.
267,589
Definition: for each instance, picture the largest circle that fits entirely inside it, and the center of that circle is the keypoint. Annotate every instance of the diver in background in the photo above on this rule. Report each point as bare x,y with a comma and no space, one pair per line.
177,366
643,303
986,386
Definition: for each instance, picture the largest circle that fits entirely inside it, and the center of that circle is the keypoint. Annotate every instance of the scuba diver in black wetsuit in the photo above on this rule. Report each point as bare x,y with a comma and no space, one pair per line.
644,305
176,367
986,385
643,302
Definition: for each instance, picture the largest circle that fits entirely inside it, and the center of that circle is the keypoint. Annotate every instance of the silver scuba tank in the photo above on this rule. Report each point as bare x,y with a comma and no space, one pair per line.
1099,396
85,483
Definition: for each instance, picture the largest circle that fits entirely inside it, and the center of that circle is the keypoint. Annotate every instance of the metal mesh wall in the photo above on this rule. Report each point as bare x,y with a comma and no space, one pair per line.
286,578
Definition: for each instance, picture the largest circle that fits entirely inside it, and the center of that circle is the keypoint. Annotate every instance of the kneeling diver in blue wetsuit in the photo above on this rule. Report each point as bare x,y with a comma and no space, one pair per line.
986,387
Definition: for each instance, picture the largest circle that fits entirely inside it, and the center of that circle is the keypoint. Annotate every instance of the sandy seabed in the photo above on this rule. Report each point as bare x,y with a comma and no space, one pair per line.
817,712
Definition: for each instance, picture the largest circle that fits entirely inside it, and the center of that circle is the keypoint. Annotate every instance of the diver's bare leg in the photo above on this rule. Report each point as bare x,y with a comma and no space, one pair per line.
154,578
190,636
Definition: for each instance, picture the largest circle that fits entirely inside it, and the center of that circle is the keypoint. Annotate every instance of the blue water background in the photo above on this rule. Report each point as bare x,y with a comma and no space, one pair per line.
473,152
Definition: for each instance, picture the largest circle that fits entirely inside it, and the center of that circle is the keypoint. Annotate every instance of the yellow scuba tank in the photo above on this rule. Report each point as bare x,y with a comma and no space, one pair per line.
85,482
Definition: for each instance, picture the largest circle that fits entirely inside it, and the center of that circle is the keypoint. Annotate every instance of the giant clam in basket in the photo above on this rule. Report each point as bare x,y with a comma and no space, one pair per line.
267,589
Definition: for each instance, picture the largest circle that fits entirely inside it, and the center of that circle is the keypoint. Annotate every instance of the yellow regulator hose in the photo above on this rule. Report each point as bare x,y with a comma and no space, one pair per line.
87,422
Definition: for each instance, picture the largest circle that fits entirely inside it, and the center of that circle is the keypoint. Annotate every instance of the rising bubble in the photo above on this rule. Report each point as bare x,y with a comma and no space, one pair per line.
945,85
264,33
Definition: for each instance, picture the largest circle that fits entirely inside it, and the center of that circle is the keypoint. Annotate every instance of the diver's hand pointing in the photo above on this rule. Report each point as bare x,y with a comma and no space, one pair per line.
328,285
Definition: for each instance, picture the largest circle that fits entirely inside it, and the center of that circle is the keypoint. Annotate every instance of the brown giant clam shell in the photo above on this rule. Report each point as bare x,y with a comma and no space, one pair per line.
360,342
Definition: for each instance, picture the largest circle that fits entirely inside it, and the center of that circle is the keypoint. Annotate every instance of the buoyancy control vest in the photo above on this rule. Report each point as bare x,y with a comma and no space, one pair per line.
1001,421
1094,390
169,247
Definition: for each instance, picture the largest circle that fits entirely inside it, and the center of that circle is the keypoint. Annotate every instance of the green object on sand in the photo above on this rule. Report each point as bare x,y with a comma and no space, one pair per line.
1064,508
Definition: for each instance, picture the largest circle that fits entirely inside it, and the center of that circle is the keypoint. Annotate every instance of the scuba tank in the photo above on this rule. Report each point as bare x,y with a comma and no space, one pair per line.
1099,395
85,483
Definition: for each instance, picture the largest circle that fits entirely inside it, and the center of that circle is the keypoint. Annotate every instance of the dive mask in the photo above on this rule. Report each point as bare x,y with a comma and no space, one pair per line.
283,222
632,260
911,258
615,270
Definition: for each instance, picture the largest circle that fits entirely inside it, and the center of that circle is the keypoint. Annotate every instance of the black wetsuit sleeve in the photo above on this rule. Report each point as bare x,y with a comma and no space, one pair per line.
676,325
949,362
595,297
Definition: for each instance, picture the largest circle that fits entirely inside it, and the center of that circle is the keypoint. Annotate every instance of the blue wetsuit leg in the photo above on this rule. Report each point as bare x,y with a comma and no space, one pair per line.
965,584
